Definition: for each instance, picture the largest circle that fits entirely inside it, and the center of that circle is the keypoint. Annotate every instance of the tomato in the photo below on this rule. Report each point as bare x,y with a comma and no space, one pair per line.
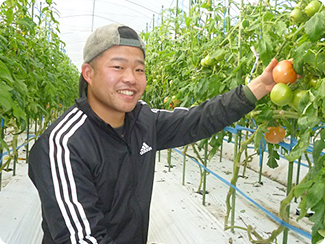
283,72
312,8
245,23
314,82
275,135
281,94
297,95
209,61
297,16
176,102
165,99
203,63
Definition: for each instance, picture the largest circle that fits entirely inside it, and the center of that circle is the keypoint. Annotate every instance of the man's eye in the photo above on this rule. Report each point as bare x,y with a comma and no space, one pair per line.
140,70
117,67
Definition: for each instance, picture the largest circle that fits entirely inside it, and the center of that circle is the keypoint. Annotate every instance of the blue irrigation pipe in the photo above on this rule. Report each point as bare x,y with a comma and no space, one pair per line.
271,215
17,148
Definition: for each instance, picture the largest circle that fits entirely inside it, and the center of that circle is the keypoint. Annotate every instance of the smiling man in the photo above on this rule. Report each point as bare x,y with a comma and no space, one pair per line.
94,166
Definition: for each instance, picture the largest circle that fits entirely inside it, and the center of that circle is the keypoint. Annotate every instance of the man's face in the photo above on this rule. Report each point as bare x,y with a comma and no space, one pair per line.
116,80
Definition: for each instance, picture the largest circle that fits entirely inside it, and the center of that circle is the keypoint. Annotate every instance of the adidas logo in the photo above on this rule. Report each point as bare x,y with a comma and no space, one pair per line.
145,148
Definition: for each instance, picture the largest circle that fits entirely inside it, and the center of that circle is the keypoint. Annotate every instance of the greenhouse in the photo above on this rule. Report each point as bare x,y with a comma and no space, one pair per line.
162,122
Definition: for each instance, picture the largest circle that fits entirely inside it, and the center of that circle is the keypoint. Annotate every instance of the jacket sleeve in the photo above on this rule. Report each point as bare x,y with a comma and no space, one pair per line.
183,126
68,196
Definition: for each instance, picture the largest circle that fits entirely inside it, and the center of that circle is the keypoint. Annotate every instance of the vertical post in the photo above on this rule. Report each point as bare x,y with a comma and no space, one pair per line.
239,73
298,173
169,158
27,139
289,186
221,147
204,171
1,147
261,162
153,21
184,164
233,199
35,129
289,182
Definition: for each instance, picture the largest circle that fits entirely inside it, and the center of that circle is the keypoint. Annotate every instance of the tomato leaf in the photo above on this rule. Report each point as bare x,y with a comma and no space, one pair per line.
317,150
300,148
266,49
5,72
303,208
299,56
5,98
315,26
280,27
272,157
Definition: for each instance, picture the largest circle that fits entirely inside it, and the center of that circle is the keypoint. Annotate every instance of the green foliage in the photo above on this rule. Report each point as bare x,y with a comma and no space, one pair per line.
176,67
36,77
33,70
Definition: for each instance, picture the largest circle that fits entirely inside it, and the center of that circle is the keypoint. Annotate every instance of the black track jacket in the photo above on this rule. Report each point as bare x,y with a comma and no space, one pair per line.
95,186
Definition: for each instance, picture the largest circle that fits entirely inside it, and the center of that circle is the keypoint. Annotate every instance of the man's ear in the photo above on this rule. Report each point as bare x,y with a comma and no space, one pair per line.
87,72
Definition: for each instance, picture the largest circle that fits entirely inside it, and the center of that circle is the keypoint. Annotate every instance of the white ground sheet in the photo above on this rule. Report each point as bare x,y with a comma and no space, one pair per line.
177,213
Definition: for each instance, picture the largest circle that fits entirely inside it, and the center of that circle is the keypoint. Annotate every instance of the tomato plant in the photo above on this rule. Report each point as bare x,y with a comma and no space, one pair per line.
275,135
242,46
297,96
281,94
284,72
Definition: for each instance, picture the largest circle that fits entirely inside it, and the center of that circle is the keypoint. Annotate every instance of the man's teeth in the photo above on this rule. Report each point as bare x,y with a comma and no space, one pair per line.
125,92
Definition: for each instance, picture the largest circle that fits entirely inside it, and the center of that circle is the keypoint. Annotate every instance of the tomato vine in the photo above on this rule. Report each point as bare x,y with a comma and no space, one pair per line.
210,53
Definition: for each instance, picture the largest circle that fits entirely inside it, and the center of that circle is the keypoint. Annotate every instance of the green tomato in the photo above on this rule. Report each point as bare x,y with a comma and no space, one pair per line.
312,8
245,23
314,82
297,95
281,94
297,16
209,61
203,62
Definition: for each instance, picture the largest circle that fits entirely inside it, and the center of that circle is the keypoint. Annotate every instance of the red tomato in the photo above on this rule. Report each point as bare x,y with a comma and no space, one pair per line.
283,72
275,135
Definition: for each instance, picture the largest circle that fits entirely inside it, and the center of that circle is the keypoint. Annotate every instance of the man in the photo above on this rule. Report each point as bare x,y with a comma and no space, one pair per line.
94,166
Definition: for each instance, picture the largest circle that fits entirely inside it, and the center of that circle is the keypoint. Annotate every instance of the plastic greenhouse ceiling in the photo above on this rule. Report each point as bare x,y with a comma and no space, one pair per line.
79,18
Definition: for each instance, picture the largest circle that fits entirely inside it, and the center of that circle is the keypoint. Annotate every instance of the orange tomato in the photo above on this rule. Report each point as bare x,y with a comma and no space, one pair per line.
283,72
275,135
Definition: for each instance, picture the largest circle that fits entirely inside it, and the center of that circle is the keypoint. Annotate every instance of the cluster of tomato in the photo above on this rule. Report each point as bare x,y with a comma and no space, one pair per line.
281,95
304,10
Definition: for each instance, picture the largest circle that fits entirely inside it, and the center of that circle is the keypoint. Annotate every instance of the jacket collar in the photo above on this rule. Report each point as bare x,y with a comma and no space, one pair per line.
130,118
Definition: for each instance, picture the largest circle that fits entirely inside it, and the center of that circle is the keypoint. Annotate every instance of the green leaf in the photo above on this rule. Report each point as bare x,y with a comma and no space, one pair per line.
272,163
315,194
266,49
322,233
300,148
18,112
302,187
5,98
317,150
280,27
273,156
303,208
258,138
5,72
315,26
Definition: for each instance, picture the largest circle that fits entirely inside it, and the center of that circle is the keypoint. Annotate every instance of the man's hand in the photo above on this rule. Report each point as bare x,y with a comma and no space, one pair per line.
264,83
